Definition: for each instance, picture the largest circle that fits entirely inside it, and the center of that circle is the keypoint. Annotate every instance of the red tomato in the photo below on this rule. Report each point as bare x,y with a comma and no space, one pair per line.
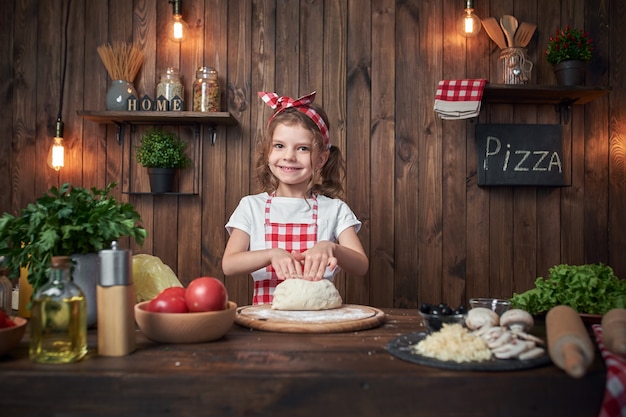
166,303
206,294
173,291
5,321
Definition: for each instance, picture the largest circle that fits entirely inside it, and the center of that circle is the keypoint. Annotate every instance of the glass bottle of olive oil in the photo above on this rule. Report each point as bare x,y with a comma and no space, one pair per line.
58,318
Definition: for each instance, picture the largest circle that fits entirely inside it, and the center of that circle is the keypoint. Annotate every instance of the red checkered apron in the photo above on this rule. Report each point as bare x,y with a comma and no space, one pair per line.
287,236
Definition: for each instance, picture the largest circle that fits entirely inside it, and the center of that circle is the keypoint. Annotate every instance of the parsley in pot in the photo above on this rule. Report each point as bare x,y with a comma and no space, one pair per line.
64,222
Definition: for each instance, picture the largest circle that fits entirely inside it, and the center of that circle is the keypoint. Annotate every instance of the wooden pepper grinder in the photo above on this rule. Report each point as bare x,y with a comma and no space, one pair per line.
116,300
569,344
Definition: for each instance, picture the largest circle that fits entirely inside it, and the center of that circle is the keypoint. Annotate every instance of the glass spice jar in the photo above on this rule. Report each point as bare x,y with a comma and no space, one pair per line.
206,90
169,85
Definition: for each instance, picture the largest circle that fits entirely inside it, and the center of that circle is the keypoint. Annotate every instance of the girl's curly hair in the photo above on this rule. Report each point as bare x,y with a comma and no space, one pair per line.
327,181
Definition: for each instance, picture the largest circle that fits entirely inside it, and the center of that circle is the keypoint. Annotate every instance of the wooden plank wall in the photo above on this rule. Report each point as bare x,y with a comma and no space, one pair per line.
431,233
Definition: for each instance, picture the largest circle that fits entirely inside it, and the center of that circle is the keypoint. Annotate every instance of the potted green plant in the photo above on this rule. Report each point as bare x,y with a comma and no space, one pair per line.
163,153
568,51
69,221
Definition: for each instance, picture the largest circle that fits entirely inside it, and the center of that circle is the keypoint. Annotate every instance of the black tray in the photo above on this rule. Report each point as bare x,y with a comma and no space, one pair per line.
400,347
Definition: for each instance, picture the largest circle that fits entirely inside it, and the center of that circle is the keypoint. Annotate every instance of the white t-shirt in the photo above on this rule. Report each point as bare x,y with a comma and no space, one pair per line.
333,217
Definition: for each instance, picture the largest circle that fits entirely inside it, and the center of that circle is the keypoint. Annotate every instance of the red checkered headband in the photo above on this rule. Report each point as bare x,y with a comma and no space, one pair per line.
281,103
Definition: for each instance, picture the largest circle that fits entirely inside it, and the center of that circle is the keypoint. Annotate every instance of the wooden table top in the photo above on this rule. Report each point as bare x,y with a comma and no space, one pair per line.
257,373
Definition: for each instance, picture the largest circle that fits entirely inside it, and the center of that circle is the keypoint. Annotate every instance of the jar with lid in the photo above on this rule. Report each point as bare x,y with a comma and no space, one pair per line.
58,318
170,85
206,90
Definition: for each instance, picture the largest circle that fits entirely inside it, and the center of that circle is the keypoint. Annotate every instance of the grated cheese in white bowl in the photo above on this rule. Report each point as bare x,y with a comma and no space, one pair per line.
454,343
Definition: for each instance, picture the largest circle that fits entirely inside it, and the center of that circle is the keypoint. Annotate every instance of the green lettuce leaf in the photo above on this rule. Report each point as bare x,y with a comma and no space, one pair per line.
591,289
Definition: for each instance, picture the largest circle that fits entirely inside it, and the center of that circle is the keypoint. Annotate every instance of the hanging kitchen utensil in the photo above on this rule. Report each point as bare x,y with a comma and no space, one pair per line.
524,34
494,31
509,26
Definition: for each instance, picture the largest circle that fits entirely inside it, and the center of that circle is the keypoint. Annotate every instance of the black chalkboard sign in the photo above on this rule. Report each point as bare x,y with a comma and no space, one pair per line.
516,154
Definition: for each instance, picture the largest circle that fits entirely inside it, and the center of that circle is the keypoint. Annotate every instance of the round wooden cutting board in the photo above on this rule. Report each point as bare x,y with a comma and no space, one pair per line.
347,318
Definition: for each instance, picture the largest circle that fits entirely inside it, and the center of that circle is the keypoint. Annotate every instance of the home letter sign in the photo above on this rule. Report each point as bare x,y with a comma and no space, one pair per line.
511,154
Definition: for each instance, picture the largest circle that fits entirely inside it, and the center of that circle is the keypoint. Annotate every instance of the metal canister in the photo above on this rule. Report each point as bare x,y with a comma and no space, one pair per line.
206,90
115,266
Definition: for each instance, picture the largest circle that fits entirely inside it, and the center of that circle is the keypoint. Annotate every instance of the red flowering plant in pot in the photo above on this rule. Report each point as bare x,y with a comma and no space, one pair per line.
568,51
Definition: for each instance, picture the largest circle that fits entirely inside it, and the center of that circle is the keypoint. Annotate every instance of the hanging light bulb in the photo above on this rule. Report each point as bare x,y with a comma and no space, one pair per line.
56,156
469,24
177,28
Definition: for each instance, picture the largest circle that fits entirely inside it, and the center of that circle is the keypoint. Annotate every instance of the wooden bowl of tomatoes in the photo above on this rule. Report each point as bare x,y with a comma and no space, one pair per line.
11,332
196,314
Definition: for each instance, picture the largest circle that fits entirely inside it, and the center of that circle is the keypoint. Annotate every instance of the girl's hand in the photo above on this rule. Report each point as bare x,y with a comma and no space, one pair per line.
285,264
316,260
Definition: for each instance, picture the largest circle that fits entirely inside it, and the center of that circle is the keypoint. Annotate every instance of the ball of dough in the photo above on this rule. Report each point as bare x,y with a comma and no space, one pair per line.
300,294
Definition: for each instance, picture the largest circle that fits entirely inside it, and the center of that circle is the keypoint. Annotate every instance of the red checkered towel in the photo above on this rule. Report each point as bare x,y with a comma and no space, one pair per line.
459,99
614,403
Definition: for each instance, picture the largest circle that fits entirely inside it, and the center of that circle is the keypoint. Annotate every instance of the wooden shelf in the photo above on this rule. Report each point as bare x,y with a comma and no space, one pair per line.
158,117
542,94
121,119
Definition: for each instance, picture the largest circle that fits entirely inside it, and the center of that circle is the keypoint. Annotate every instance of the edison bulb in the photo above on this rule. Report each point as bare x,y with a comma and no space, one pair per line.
178,29
57,154
469,24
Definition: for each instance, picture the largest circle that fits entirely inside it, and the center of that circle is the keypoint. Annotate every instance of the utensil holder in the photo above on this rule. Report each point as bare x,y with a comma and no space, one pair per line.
513,66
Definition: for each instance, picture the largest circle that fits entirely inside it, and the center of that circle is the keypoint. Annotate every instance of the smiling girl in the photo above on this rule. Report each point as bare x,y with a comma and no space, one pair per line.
298,226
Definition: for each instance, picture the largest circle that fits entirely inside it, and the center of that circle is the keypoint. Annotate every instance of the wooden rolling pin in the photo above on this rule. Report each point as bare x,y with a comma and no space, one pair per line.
569,344
614,331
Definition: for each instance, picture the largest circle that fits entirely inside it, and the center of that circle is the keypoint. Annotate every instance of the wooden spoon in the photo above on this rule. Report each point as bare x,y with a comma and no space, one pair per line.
509,26
524,34
494,31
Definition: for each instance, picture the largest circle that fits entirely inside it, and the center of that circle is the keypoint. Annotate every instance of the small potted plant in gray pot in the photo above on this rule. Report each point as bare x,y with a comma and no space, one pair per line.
69,221
163,153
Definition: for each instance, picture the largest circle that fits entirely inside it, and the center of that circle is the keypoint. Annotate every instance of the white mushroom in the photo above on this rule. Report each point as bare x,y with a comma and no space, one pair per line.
531,353
530,337
480,317
513,349
504,338
484,331
517,320
520,322
491,333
